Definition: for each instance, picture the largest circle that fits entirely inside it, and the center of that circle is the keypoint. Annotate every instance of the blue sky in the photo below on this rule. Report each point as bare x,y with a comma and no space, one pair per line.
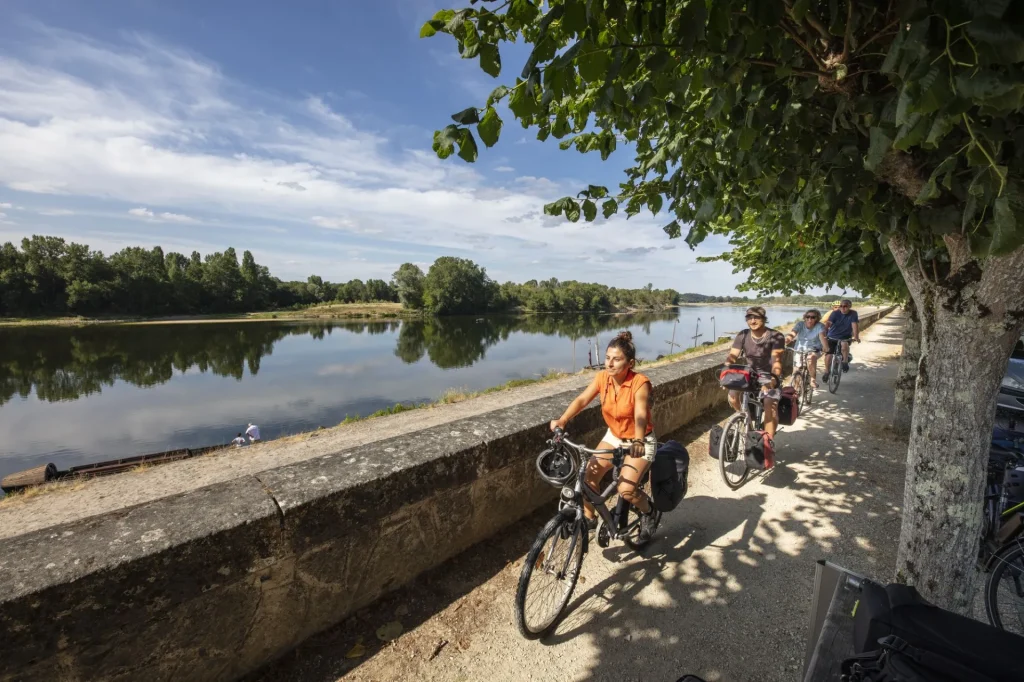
300,131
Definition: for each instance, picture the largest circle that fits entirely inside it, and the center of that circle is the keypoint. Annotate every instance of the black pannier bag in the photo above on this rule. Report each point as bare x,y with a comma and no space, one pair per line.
715,440
899,611
669,473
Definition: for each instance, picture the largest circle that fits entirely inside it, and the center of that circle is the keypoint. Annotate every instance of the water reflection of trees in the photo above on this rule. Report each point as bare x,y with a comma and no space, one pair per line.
67,363
451,342
64,364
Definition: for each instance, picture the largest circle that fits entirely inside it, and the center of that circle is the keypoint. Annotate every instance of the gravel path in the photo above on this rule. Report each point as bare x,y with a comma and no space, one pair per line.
724,592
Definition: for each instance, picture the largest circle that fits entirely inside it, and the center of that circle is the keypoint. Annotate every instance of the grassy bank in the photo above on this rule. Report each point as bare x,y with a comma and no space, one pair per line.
332,311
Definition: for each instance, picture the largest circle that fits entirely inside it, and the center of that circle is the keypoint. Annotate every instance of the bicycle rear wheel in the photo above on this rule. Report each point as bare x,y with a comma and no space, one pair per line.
1004,589
731,460
549,576
835,373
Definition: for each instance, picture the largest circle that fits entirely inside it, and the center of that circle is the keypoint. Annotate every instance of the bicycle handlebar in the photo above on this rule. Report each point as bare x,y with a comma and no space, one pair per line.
560,438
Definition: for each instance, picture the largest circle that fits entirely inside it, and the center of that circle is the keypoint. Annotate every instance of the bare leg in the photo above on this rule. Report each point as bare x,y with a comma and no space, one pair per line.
846,352
812,367
597,467
633,469
735,400
771,416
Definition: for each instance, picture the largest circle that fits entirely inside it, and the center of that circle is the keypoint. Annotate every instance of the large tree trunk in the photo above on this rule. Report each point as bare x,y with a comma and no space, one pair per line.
903,407
970,319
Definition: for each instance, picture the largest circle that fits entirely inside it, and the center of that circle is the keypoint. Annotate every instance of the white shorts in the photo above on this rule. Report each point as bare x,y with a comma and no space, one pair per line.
616,442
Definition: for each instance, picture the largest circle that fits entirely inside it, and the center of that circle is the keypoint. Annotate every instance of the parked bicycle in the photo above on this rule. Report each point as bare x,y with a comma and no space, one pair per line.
732,446
1002,542
553,563
801,381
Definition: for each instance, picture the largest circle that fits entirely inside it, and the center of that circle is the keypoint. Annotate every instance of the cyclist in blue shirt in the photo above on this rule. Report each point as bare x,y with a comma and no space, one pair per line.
840,327
809,336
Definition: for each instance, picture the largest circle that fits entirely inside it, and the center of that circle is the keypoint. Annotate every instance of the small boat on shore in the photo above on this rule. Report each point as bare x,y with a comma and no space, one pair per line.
49,472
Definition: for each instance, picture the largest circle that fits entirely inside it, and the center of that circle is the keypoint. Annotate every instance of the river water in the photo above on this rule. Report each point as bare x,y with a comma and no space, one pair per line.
84,394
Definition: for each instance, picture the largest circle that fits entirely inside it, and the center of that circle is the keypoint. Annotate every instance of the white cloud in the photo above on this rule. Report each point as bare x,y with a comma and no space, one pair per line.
165,217
332,223
505,169
5,205
146,124
56,212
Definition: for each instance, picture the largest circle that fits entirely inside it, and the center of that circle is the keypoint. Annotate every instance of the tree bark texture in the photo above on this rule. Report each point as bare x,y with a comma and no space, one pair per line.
970,319
910,355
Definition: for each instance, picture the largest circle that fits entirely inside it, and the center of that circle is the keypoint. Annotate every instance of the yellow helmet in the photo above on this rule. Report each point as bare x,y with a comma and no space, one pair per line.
835,304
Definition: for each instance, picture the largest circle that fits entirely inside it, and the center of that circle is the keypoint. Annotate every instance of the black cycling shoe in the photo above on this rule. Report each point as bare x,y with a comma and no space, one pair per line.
846,367
648,524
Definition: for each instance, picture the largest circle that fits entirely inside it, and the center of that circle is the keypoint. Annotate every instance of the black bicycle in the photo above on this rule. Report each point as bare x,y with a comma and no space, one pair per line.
1002,543
834,369
553,563
732,461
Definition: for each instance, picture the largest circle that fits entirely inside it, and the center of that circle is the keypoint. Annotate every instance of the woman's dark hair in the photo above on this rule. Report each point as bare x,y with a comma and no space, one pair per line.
624,342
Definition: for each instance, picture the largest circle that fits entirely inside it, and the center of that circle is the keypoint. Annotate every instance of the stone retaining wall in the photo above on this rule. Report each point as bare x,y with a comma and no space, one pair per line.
213,583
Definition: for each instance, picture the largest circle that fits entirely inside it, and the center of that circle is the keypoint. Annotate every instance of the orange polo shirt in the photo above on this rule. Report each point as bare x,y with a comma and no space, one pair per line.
619,408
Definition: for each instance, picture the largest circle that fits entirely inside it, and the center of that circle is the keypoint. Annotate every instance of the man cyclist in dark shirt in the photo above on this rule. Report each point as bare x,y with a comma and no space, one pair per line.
763,348
841,326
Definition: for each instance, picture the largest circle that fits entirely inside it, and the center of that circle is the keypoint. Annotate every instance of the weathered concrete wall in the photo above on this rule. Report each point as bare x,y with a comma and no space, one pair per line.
213,583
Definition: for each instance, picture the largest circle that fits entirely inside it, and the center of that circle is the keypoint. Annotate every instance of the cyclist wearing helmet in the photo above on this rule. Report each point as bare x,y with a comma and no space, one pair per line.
763,348
840,327
626,407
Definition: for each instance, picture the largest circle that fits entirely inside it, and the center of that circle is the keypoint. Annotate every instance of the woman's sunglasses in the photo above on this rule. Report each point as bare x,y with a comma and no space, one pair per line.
811,317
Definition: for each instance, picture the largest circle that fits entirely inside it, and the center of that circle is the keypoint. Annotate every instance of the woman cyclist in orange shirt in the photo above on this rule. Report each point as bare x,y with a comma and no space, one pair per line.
626,407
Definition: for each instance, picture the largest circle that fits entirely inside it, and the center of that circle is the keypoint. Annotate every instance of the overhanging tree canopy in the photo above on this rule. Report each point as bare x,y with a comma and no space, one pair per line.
886,124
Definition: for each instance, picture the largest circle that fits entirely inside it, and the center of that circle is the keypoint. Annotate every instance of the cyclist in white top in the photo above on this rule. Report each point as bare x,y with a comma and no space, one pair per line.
809,336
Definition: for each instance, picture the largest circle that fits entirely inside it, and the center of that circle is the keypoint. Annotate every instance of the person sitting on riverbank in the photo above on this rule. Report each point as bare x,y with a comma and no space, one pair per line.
626,408
762,347
809,336
253,432
239,440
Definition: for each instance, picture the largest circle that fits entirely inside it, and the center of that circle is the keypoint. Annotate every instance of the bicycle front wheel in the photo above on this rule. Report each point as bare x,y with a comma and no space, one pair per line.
808,397
836,373
1004,590
731,460
549,576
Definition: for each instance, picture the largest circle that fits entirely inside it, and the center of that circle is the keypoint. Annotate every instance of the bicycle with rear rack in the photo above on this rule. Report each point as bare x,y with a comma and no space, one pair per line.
801,381
732,461
553,563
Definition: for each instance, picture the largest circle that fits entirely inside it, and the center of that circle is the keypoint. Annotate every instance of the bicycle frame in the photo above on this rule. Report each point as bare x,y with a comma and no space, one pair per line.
571,499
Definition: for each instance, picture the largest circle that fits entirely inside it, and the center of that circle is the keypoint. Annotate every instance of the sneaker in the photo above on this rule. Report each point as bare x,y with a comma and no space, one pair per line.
846,367
648,524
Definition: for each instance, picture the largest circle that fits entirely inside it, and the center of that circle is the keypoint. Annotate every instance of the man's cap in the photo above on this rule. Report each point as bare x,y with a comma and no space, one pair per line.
756,310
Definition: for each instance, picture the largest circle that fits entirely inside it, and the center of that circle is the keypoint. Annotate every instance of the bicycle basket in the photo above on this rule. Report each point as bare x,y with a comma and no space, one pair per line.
557,467
735,379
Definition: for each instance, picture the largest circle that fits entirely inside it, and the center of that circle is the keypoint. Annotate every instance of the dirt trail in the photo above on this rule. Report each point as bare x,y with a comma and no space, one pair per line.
724,592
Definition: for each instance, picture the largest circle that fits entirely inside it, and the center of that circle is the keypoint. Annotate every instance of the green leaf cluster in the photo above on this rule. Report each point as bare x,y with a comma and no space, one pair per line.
831,122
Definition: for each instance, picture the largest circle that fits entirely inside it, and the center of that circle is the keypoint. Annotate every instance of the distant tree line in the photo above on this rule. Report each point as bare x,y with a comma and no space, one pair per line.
460,286
801,299
454,286
49,276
